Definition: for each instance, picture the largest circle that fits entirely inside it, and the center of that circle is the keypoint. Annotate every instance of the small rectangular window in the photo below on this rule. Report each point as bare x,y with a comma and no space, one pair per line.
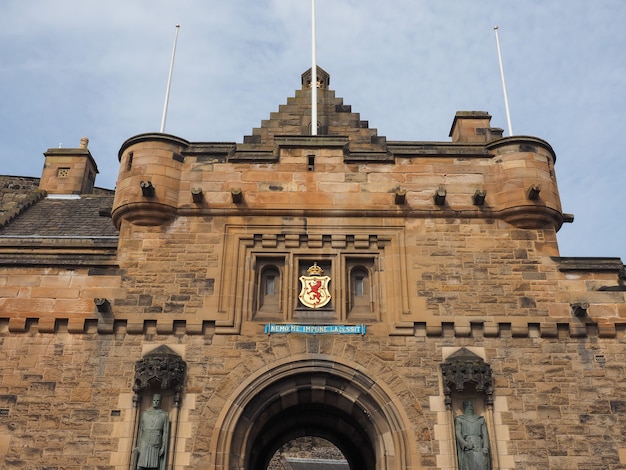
270,285
358,286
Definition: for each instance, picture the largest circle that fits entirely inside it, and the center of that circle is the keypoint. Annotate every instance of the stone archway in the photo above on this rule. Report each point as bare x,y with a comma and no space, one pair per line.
313,396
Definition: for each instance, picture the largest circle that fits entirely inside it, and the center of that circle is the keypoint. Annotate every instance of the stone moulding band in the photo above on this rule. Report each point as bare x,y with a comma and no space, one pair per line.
273,328
209,328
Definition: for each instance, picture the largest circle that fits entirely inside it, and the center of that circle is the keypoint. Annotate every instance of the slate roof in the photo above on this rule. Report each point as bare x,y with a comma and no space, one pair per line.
79,216
16,194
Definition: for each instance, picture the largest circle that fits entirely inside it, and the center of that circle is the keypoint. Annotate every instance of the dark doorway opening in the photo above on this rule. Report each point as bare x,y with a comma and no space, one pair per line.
334,424
312,398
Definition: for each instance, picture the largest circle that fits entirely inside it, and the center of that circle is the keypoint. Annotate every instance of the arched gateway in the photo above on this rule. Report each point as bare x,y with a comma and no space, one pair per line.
312,396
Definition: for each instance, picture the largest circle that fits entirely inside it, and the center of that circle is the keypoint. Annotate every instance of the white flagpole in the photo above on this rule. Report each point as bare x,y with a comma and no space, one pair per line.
506,100
169,81
313,73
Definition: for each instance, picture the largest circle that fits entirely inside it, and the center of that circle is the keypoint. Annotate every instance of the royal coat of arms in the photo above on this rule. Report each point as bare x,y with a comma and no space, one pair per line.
314,292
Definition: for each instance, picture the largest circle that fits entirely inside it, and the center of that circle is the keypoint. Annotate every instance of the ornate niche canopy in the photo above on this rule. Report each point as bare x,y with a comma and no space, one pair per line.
163,367
464,367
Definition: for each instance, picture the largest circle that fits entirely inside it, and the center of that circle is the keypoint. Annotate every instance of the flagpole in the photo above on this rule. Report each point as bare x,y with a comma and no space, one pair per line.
169,81
313,73
506,100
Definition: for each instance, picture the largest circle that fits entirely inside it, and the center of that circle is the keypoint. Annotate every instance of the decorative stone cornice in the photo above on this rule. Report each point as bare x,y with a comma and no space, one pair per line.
162,367
462,368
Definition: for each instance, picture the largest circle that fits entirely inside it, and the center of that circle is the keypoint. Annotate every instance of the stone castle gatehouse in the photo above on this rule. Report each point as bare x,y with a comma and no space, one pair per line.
337,286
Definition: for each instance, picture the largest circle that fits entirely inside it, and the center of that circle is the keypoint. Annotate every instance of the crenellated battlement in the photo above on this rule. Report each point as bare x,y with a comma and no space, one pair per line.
451,329
348,170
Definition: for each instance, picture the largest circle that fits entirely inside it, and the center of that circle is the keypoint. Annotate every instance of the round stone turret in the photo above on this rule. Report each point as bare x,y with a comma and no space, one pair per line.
149,179
526,193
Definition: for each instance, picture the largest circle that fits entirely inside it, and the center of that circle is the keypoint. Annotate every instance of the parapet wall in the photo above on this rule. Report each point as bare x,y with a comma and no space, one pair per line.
510,179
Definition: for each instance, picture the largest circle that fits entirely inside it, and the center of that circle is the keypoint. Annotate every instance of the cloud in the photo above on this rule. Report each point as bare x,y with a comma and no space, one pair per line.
72,68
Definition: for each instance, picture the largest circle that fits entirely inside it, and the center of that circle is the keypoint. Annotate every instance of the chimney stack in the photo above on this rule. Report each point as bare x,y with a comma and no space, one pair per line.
474,127
69,171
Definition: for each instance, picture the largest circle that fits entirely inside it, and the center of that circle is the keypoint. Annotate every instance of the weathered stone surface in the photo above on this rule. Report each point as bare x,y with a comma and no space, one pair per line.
204,277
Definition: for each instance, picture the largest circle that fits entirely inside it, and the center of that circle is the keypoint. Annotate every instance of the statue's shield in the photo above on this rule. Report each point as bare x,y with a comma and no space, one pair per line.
314,292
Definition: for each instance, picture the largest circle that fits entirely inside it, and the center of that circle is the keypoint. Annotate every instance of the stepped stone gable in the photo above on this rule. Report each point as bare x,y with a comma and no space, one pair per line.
442,267
294,119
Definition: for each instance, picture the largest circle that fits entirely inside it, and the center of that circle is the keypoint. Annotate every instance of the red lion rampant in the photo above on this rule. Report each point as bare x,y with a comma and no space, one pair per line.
314,291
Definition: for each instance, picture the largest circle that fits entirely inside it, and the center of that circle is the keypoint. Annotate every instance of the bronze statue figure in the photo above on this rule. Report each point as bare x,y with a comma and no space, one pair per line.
472,439
153,436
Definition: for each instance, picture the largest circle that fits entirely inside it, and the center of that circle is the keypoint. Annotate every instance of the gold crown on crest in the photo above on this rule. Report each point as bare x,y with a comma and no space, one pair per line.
315,270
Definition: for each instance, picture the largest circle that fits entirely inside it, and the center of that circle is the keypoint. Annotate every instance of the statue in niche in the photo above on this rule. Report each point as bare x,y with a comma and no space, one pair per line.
472,439
153,436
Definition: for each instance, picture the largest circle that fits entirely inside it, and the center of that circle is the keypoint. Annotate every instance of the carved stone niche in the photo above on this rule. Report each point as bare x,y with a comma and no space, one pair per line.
162,369
464,369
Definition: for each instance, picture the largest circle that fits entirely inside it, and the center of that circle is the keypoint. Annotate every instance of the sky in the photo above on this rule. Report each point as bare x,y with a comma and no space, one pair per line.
74,68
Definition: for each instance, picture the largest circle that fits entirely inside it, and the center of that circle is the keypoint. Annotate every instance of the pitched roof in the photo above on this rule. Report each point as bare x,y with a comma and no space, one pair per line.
77,216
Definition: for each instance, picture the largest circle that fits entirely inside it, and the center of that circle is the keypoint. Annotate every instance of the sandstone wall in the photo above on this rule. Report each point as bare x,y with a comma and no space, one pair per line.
66,398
